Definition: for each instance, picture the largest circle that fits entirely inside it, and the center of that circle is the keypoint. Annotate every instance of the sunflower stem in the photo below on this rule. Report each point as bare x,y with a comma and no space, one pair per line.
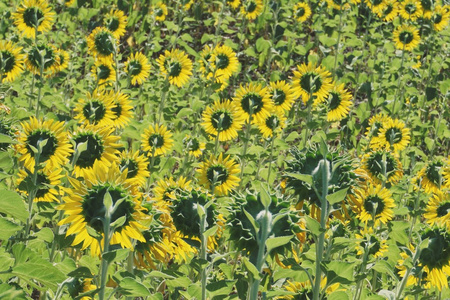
398,82
408,271
270,158
116,68
247,138
106,240
338,41
308,120
204,242
163,98
219,23
361,270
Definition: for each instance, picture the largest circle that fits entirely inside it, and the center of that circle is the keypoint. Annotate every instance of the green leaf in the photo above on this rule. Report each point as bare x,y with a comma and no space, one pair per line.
303,177
337,196
313,226
266,200
338,295
45,234
251,220
220,288
278,241
161,275
341,272
81,272
179,282
211,231
5,139
130,287
251,268
8,229
9,292
195,291
12,204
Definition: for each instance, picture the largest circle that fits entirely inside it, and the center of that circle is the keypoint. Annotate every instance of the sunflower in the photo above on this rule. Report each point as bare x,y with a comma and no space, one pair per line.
122,109
431,177
338,103
33,16
165,189
338,4
375,124
406,37
116,21
63,59
11,61
311,81
253,102
157,140
377,6
393,135
103,71
135,166
102,43
224,62
187,4
282,95
218,174
233,3
137,68
303,290
302,11
272,124
95,109
68,3
50,137
80,286
84,206
98,147
176,65
160,11
382,163
410,9
47,181
205,62
390,11
193,145
374,203
375,244
43,53
438,210
440,17
251,9
427,8
222,119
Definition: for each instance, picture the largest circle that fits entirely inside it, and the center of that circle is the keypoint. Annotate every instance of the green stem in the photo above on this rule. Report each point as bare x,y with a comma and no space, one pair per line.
338,41
104,263
398,82
247,138
361,270
116,67
161,104
204,243
308,120
408,271
270,158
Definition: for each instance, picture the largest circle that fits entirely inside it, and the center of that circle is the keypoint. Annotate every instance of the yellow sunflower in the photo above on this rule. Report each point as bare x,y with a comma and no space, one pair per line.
93,146
338,103
159,11
165,189
122,109
390,10
378,164
431,177
272,124
33,16
375,244
219,174
176,66
338,4
303,290
47,183
223,119
375,124
102,43
135,166
427,8
156,140
95,109
50,137
311,81
69,3
116,21
233,3
374,203
251,9
410,9
63,59
224,62
282,95
377,6
84,206
440,17
302,11
406,37
43,53
253,102
104,72
438,210
194,145
137,68
11,61
393,135
205,62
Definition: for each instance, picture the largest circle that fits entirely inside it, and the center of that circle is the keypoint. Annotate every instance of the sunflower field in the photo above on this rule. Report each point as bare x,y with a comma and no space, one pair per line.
224,149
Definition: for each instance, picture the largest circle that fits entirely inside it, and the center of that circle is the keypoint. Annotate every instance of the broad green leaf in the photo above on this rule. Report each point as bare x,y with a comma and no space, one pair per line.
45,234
313,226
338,295
220,288
5,139
251,220
195,291
251,268
9,292
8,229
160,275
266,200
276,242
81,272
341,272
294,273
211,231
130,287
179,282
12,204
337,196
303,177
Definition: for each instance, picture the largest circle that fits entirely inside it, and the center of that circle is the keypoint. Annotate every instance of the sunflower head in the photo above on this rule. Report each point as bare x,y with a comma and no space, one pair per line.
222,119
338,103
311,82
381,166
116,21
175,66
46,185
373,243
103,71
406,37
102,43
45,57
251,9
282,95
160,11
33,16
11,61
393,135
138,68
272,124
374,203
253,102
302,11
193,145
440,17
431,177
438,209
135,166
219,174
157,140
95,109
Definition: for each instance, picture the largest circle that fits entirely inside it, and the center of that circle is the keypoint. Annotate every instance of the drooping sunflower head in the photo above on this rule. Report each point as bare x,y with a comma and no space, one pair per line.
394,135
382,166
427,8
272,124
431,177
95,109
102,43
222,119
33,16
438,209
87,202
193,145
46,55
135,165
122,109
374,244
47,182
156,140
63,59
103,71
159,11
375,124
302,12
43,142
411,9
440,17
137,68
116,21
374,203
282,95
253,102
219,174
311,83
176,66
406,37
11,61
338,103
224,63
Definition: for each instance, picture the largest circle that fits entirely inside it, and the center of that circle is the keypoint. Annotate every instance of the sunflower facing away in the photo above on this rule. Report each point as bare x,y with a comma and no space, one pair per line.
219,174
84,206
338,4
95,109
222,119
253,102
431,177
102,43
11,61
375,124
47,135
376,6
193,145
367,240
302,12
440,17
135,166
166,188
410,9
311,81
438,210
282,95
205,62
47,53
338,103
47,182
32,16
382,163
159,11
137,68
63,59
176,66
393,135
116,21
224,63
156,140
251,9
122,109
374,203
406,37
104,72
272,124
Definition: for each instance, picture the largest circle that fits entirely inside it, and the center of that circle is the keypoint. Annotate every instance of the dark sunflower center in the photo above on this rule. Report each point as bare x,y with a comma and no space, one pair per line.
426,4
112,24
34,56
156,140
433,173
94,111
104,43
405,37
338,2
375,164
272,122
117,110
437,254
222,61
252,103
311,82
376,128
377,2
193,144
94,210
103,72
36,138
33,17
251,7
173,68
374,245
7,61
278,96
393,136
334,100
437,18
93,152
410,8
221,120
300,12
217,174
159,12
374,205
131,165
443,209
134,68
388,9
41,182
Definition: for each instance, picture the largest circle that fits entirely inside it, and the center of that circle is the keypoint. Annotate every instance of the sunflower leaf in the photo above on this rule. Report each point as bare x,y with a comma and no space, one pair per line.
12,204
130,287
303,177
337,196
8,229
251,268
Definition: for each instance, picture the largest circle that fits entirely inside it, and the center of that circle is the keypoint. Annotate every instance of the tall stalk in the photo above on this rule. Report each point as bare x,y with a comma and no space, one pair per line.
338,41
399,88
